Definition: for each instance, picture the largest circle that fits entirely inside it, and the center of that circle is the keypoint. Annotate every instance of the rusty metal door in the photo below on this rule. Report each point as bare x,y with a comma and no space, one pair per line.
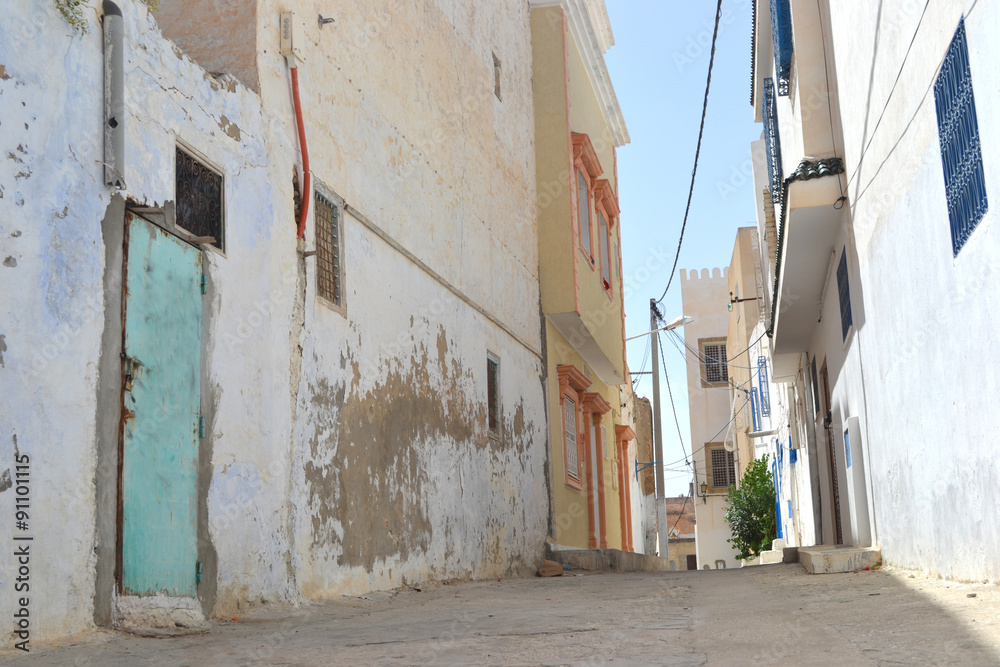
160,420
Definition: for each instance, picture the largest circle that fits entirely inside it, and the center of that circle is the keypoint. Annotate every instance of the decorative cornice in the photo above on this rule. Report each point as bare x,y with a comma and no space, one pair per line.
585,34
577,380
596,404
605,194
583,150
624,432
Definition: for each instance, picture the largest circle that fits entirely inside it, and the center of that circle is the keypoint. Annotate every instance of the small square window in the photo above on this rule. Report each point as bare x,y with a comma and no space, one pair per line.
714,364
328,258
493,394
199,201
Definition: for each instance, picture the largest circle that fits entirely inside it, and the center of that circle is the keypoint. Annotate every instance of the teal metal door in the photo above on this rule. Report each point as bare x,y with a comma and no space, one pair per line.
160,431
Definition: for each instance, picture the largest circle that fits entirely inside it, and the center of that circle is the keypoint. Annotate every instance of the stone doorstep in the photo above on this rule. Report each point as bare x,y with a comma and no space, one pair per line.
606,560
827,559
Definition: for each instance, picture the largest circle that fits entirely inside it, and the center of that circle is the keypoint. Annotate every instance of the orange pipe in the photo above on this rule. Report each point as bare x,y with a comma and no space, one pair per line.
307,175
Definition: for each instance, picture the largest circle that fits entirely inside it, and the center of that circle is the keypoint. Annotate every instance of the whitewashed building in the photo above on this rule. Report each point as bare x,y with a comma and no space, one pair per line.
361,400
880,132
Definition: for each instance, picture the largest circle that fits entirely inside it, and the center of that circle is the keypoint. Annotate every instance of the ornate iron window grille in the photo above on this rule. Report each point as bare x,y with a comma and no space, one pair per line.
772,141
781,35
328,280
958,133
844,290
199,197
765,391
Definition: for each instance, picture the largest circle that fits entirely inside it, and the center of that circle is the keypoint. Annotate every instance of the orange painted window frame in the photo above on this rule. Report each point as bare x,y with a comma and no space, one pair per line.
623,435
585,162
595,405
606,202
572,383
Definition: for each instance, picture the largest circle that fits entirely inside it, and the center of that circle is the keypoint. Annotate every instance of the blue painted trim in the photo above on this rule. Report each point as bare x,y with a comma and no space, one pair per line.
781,35
847,447
958,134
772,141
765,390
753,409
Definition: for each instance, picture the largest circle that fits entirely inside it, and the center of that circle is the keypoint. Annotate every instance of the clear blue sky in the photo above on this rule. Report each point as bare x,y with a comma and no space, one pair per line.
658,66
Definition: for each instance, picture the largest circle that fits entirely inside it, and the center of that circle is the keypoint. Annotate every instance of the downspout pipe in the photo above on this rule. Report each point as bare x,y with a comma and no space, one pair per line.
114,96
307,174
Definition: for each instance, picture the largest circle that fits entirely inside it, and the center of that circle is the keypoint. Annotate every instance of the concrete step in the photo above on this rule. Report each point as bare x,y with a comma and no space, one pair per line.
606,560
827,559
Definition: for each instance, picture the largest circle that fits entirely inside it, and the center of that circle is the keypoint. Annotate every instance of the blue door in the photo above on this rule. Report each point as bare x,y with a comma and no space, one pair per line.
162,389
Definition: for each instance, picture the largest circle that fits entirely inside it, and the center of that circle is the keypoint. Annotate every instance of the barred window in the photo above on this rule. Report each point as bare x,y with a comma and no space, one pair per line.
493,393
713,362
958,133
844,290
328,276
772,141
722,467
569,422
583,194
781,35
199,190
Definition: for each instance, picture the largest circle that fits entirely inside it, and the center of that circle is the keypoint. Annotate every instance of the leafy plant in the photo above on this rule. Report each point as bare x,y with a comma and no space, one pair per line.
750,510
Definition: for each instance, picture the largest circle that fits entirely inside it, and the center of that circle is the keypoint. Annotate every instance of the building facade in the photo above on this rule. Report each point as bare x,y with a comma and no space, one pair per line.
881,155
578,127
234,378
704,296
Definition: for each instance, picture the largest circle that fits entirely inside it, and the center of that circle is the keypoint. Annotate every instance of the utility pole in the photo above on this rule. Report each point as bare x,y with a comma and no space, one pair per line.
661,498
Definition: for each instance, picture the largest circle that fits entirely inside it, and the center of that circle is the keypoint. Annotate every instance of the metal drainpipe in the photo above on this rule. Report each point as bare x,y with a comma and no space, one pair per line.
114,96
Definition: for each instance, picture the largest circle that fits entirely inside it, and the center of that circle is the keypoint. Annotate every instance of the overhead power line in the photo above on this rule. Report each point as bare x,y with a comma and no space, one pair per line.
697,151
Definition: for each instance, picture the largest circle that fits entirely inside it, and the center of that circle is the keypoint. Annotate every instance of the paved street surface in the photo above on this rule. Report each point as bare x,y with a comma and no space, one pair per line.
775,615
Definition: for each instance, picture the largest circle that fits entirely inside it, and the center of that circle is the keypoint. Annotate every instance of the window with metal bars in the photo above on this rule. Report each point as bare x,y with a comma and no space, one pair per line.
765,391
713,362
493,394
754,408
722,467
569,433
772,141
199,198
328,269
958,134
844,290
781,35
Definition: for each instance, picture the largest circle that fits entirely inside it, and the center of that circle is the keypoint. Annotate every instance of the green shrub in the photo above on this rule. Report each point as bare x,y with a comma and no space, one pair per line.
750,510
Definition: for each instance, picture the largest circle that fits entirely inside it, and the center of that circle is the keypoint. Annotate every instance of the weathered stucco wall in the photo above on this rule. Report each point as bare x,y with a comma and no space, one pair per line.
54,327
344,451
395,477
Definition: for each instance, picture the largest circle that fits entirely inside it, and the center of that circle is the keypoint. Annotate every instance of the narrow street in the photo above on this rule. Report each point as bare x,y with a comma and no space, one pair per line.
774,614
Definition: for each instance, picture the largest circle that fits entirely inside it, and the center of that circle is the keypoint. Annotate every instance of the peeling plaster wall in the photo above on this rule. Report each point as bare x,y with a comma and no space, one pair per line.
395,479
344,451
51,105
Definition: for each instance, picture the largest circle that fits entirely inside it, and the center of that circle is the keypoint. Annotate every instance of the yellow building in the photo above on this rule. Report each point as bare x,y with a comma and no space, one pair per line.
578,126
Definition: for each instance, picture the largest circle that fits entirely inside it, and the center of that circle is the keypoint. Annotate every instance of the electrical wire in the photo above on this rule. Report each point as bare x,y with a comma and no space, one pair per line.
857,167
673,407
697,152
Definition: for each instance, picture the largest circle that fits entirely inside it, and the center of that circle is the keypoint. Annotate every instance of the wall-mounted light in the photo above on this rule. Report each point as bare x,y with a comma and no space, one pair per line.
733,299
704,491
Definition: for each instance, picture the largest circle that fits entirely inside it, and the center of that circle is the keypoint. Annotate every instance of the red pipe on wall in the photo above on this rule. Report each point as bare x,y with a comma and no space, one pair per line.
307,175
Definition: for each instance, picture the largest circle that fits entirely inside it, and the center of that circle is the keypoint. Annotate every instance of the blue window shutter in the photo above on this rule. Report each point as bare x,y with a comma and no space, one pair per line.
753,409
847,447
781,35
765,391
844,289
793,454
772,141
958,134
